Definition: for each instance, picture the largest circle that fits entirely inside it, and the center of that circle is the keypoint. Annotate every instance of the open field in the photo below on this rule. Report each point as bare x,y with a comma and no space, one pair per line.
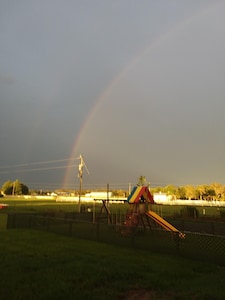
20,203
210,219
39,265
45,265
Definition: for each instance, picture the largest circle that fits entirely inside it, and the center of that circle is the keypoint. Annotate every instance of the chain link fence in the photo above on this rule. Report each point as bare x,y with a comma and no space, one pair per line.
199,246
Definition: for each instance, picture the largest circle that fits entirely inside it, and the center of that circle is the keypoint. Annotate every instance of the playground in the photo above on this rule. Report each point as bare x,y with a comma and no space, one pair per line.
139,226
52,252
140,214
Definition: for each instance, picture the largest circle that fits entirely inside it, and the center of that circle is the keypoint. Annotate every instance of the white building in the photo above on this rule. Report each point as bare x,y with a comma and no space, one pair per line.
99,195
160,197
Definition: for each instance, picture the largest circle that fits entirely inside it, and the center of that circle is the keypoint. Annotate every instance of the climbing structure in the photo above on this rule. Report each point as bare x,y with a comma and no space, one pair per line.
140,215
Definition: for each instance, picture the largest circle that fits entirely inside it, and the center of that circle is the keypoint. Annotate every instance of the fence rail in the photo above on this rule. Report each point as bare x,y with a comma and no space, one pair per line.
200,246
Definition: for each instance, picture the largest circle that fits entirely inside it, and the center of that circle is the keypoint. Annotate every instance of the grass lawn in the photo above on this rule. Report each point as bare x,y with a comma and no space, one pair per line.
19,204
40,265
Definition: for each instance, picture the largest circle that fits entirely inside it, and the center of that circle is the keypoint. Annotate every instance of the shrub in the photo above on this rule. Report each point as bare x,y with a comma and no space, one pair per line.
222,214
189,212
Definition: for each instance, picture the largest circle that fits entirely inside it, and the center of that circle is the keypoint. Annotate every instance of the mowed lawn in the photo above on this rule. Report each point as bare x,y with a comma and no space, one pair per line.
40,265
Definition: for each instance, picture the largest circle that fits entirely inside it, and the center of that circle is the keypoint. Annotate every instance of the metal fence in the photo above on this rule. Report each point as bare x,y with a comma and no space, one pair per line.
201,226
199,246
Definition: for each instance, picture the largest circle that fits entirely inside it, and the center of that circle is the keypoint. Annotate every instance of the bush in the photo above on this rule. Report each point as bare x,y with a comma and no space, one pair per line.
222,214
189,212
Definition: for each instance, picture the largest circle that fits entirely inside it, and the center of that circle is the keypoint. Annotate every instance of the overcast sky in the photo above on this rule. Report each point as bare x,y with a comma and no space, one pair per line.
136,87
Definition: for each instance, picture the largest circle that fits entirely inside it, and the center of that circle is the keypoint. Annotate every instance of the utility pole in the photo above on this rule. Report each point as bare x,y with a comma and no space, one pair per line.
129,188
80,176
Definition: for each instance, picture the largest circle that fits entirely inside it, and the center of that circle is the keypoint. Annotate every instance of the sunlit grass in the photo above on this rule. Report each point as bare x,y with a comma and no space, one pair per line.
18,204
3,220
40,265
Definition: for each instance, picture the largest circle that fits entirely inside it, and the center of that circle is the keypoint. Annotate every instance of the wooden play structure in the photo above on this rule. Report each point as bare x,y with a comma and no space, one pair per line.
140,215
105,208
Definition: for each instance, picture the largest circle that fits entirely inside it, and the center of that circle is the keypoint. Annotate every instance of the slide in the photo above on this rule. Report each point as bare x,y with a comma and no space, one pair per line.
161,221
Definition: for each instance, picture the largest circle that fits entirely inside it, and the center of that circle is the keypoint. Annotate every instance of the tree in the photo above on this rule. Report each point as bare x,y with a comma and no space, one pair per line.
180,193
20,188
171,191
191,192
25,189
118,193
202,189
7,188
157,189
219,189
142,181
15,188
210,193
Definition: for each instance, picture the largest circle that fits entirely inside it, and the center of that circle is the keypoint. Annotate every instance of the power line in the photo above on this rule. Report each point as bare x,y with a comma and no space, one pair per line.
25,167
37,169
36,163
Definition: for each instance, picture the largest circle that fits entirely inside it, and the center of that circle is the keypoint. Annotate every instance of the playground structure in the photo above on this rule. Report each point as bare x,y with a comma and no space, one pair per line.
140,215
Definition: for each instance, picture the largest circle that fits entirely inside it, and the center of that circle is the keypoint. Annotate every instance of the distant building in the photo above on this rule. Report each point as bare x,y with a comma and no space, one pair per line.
99,195
160,197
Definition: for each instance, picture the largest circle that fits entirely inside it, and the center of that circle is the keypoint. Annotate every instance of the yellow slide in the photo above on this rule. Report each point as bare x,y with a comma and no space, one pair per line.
161,221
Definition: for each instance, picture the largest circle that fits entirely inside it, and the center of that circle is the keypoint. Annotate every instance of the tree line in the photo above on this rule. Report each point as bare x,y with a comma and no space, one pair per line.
214,191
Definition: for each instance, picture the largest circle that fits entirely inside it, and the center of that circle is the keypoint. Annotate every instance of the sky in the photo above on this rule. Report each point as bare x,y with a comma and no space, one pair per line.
135,87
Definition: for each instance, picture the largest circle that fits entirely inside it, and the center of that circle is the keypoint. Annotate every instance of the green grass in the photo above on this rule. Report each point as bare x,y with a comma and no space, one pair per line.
20,204
39,265
3,220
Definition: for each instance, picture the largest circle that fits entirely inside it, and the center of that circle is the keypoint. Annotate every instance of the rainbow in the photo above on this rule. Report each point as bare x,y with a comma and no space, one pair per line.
159,40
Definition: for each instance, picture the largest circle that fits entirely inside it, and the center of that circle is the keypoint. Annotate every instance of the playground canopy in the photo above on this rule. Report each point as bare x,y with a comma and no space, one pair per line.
140,194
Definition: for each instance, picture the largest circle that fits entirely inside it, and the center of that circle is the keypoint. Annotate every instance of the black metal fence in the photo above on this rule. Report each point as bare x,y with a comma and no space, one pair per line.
199,246
199,225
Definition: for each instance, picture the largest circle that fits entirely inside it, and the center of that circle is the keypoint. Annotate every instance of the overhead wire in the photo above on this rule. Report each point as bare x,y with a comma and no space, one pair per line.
30,166
37,169
36,163
27,167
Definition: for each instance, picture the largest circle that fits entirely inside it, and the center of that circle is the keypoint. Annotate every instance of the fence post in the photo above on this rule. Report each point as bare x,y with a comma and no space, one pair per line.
47,224
177,242
13,220
212,227
97,231
182,225
70,228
